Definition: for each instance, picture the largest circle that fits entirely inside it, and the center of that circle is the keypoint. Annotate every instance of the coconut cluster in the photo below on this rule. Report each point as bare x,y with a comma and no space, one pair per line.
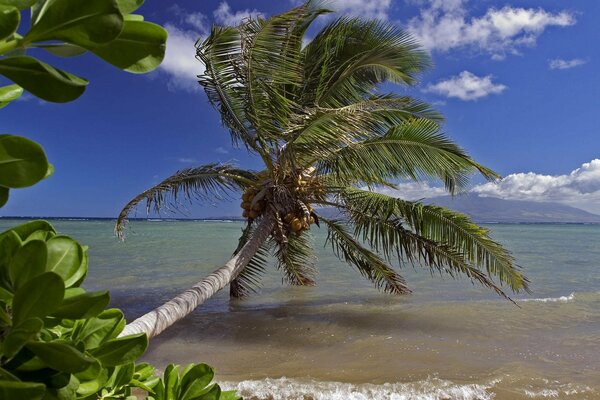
252,207
297,222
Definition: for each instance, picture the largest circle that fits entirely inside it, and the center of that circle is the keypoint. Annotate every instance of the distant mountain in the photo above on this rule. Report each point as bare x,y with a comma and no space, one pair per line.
492,209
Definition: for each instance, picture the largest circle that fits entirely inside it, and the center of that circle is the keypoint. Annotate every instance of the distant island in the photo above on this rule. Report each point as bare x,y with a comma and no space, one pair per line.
480,209
492,209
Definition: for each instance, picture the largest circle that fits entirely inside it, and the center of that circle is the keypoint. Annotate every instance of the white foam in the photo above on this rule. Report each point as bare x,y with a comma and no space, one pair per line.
290,389
561,299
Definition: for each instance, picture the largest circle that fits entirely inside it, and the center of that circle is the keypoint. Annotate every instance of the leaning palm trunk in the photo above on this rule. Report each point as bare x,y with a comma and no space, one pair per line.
159,319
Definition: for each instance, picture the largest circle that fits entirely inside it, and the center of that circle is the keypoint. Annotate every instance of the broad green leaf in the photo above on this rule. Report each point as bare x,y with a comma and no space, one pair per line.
61,49
121,375
40,235
129,6
66,392
7,376
9,93
89,386
42,80
195,379
22,161
28,262
101,329
122,350
171,381
86,305
133,17
21,334
3,195
24,230
230,395
39,297
9,20
83,23
61,356
66,258
20,4
138,49
21,390
212,393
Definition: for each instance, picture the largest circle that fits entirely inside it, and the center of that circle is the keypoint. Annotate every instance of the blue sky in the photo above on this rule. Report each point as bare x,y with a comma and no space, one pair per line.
516,80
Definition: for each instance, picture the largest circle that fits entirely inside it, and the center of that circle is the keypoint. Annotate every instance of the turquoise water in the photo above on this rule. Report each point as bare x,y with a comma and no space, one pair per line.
344,340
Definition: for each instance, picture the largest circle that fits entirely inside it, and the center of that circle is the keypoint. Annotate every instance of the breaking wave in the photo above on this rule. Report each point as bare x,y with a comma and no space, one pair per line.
561,299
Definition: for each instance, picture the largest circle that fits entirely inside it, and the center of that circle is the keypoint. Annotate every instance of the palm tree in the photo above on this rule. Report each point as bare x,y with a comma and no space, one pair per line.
313,114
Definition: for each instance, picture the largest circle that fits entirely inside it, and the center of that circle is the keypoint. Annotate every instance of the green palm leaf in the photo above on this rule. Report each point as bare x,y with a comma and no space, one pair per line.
248,280
200,183
349,57
448,229
369,264
413,150
296,259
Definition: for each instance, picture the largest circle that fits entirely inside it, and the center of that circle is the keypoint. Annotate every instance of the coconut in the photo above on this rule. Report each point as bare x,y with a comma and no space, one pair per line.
258,206
253,214
296,224
288,218
245,214
311,219
247,196
245,205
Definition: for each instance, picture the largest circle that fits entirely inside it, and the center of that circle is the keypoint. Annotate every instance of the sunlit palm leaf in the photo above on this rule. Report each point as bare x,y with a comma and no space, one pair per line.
349,57
413,150
448,229
248,281
369,264
201,183
296,259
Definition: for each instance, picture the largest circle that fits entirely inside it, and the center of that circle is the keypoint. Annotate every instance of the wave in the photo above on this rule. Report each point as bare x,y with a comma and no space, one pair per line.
561,299
289,389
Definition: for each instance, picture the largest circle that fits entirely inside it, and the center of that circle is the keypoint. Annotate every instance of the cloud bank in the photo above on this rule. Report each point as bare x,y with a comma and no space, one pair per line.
445,25
466,86
579,188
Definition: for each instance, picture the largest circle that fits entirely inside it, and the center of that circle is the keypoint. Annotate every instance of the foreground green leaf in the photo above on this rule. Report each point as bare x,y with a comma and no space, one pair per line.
21,390
21,334
119,351
22,161
42,80
20,4
28,262
129,6
84,23
86,305
139,48
38,297
9,21
9,93
66,258
61,356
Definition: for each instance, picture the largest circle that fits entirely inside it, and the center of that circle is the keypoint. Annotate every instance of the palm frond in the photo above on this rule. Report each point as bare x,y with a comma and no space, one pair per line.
413,150
451,230
296,259
200,183
248,280
350,56
272,53
224,82
369,264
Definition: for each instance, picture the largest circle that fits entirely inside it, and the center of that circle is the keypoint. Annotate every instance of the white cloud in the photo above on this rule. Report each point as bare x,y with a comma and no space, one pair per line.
580,188
224,16
559,63
412,191
180,62
445,25
369,9
221,150
466,86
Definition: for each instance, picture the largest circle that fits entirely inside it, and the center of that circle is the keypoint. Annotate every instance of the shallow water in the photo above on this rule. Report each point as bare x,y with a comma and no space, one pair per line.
344,340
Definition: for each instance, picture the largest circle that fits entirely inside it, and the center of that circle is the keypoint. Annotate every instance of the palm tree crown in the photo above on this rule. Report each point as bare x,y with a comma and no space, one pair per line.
313,114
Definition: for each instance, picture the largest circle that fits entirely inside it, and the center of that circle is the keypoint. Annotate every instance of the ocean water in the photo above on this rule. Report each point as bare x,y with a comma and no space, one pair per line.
344,340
